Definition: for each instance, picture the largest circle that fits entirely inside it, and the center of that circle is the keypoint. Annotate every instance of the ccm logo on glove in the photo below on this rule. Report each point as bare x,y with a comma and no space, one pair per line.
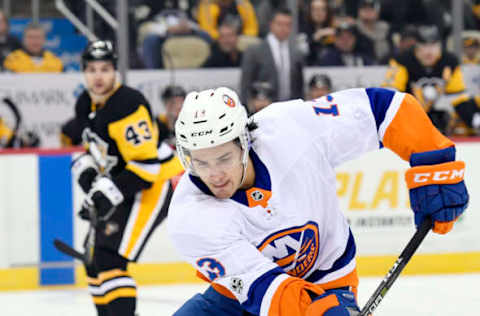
445,173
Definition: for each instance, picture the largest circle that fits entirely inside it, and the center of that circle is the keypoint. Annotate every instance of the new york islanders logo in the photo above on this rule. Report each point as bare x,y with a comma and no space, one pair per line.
294,249
228,101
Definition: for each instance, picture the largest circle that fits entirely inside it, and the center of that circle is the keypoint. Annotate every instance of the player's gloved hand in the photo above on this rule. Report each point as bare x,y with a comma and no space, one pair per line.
84,170
437,188
334,302
84,213
103,196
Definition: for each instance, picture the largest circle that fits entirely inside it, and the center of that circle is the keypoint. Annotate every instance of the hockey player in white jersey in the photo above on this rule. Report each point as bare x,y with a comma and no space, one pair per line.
257,214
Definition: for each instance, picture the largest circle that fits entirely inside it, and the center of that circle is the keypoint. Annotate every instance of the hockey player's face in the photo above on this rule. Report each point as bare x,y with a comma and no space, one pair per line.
220,168
100,77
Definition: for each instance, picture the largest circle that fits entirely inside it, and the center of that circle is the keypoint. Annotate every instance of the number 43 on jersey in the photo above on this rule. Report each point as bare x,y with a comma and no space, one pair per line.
138,133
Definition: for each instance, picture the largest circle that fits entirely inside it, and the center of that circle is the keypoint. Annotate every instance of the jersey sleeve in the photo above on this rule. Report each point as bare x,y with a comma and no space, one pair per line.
340,126
71,133
405,127
234,266
351,122
136,141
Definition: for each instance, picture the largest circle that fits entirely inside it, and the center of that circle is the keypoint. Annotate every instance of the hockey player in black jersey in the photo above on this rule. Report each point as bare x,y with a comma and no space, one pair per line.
125,174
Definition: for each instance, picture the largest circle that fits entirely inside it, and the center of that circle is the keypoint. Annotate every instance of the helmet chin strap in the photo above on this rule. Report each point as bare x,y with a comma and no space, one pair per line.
245,143
244,173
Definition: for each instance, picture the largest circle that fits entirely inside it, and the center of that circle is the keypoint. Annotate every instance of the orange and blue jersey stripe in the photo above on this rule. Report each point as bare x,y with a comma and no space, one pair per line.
402,124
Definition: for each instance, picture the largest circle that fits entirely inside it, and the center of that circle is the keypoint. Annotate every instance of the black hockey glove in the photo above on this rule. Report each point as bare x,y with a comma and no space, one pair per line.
103,197
84,213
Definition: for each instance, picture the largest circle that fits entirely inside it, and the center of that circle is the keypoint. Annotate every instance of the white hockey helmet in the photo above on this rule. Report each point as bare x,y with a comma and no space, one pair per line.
210,118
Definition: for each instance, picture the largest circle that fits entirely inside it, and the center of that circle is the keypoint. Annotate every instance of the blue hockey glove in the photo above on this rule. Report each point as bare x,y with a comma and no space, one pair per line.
437,188
334,302
103,196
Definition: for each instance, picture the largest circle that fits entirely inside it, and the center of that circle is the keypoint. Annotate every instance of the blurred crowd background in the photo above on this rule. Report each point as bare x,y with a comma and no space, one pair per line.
270,41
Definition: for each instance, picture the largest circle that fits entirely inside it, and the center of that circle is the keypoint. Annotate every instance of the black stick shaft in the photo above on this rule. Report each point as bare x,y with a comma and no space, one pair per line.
69,251
397,268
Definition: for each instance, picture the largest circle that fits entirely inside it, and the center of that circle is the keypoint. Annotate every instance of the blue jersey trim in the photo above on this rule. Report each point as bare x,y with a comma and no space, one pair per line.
262,180
199,183
257,290
380,100
344,259
433,157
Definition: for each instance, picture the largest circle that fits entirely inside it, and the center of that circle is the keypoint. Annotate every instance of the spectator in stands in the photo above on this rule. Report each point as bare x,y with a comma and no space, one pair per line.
224,52
319,85
319,28
12,134
33,57
260,95
406,41
350,49
146,10
471,12
172,97
6,134
369,25
418,12
105,31
433,76
471,46
212,13
8,43
275,60
466,119
168,23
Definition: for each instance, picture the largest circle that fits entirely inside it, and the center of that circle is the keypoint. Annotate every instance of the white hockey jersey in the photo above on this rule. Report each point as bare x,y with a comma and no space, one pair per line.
290,223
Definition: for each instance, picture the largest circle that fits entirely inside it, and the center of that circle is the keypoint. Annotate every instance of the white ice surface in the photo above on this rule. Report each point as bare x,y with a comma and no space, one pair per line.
444,295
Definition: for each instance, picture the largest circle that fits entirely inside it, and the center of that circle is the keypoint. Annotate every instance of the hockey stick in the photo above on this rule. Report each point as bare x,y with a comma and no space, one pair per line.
89,246
397,268
89,243
69,251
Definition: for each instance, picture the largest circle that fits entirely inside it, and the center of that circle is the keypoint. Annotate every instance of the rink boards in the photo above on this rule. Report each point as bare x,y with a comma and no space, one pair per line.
38,203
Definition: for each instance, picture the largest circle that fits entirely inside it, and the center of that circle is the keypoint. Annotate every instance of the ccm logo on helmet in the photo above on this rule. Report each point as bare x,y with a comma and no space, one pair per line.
202,133
438,176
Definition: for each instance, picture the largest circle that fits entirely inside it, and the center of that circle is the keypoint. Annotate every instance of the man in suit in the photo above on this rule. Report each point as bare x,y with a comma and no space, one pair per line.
276,60
224,52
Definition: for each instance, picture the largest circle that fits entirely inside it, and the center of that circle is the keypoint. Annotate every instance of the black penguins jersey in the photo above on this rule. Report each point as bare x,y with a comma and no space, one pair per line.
122,137
407,74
